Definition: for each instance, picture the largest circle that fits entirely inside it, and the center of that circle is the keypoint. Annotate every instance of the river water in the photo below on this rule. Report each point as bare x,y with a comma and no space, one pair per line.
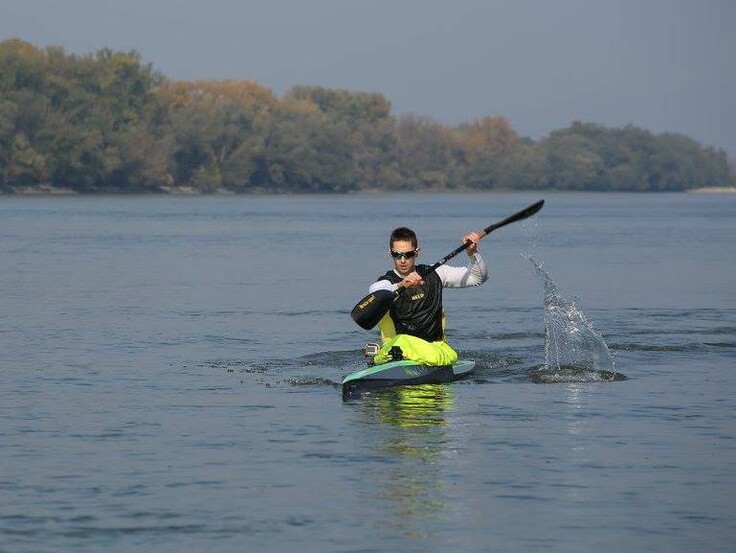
170,370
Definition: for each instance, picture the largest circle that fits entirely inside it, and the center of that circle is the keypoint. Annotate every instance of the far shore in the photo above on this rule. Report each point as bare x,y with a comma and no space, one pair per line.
48,190
712,190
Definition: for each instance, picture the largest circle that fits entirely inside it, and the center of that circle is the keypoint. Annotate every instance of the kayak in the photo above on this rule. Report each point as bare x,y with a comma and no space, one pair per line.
403,373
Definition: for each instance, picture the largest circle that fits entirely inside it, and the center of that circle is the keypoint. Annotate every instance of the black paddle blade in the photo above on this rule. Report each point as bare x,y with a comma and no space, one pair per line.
372,308
529,211
523,214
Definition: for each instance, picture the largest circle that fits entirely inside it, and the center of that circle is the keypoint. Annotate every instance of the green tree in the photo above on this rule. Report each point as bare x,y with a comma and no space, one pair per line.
75,121
303,151
572,162
365,120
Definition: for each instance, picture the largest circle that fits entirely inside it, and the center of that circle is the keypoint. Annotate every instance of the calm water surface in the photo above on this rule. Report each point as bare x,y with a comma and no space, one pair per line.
169,372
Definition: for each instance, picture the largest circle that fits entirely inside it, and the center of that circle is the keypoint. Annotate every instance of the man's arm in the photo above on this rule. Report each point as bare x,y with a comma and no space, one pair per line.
382,284
475,274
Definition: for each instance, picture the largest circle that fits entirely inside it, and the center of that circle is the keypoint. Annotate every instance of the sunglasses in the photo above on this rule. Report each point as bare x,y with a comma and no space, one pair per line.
403,255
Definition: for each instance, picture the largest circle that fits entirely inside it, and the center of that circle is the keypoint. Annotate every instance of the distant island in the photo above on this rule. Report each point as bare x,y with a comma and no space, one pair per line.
107,123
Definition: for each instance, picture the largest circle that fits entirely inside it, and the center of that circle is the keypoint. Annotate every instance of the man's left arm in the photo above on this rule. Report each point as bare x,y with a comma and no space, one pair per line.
475,274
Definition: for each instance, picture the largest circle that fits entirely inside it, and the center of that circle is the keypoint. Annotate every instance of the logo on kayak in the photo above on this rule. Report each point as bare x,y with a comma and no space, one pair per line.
415,371
418,296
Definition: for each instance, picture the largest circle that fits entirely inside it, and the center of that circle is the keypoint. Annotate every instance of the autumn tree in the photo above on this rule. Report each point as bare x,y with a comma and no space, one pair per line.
426,153
215,131
487,146
107,122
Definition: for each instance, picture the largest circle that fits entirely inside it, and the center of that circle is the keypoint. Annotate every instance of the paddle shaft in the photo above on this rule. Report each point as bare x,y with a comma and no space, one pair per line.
523,214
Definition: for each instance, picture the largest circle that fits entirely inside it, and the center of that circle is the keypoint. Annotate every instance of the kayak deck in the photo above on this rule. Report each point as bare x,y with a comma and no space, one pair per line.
403,373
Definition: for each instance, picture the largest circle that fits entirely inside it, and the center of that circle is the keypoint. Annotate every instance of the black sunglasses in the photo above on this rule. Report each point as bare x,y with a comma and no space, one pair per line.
404,255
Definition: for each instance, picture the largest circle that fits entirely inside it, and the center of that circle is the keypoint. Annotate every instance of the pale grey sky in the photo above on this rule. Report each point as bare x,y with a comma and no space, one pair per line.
664,65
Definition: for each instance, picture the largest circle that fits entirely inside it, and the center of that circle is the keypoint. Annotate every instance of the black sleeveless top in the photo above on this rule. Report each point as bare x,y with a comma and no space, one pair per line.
418,310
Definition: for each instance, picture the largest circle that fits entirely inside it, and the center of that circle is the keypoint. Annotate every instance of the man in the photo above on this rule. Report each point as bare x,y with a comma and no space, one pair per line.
416,321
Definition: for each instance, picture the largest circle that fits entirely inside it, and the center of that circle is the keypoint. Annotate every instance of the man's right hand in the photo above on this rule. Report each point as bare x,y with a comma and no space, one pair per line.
411,280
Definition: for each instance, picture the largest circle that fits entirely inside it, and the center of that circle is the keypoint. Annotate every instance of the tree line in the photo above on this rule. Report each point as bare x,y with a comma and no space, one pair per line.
107,122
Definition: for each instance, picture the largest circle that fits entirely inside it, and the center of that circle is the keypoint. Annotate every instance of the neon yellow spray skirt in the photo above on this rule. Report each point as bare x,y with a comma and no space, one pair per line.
423,352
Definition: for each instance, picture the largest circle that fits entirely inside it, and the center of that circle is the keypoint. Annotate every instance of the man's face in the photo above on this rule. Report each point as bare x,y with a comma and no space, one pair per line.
404,264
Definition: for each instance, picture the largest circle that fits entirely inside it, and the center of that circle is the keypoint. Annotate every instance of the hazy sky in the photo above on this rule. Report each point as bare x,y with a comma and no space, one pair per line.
665,65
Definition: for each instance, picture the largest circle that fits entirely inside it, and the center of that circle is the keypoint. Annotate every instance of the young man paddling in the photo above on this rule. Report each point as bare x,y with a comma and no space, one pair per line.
416,323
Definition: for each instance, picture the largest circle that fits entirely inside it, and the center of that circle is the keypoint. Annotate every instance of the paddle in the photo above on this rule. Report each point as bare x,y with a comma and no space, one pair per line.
371,309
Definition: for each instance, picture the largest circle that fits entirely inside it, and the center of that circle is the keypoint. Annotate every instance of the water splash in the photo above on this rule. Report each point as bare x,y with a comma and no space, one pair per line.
573,351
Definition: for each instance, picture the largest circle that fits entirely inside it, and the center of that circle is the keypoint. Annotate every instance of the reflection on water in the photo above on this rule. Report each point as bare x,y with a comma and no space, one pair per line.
418,438
574,482
411,406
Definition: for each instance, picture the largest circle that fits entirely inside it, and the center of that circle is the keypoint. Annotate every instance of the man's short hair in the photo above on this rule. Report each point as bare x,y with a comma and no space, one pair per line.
403,233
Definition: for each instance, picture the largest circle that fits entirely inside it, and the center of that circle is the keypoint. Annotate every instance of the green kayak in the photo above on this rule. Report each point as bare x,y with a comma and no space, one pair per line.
402,373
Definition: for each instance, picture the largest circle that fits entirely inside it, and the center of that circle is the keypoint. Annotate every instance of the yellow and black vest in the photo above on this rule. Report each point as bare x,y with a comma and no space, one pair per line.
418,310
